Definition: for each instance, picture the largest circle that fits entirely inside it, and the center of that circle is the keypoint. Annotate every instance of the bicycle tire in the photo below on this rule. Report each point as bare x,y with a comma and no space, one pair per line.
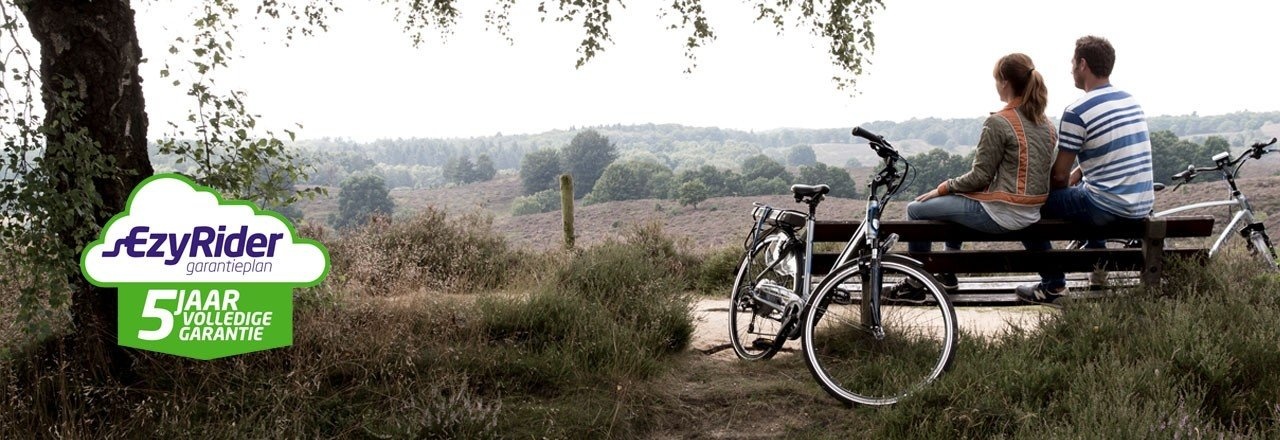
755,328
854,366
1260,245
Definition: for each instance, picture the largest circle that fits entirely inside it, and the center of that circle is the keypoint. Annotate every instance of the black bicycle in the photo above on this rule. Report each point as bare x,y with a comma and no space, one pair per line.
861,345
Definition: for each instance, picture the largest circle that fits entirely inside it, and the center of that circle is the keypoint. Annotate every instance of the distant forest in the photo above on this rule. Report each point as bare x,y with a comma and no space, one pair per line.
425,163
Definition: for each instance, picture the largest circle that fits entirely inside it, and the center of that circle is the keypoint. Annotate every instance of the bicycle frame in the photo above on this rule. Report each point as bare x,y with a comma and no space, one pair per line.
1244,214
867,233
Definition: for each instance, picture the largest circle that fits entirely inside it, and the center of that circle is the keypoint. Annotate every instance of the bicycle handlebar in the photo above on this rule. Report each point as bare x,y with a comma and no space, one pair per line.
863,133
1259,149
1256,151
1189,174
881,146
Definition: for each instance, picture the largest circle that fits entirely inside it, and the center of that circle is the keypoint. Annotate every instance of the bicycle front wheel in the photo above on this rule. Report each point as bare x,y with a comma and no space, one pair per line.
858,362
765,284
1260,245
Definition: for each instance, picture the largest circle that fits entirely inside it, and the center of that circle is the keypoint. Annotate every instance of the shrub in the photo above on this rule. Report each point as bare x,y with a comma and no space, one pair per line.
29,309
611,312
716,271
539,202
426,251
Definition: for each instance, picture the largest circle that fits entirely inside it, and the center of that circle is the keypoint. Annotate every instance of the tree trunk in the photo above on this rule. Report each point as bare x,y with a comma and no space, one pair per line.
89,51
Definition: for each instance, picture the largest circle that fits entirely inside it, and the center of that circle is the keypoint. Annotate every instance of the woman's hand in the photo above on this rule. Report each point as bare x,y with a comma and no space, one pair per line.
929,195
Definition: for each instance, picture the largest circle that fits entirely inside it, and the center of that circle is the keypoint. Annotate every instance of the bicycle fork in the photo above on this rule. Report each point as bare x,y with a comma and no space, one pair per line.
874,271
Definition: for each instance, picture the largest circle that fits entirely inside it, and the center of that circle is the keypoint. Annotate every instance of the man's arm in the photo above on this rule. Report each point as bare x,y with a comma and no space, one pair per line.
1060,176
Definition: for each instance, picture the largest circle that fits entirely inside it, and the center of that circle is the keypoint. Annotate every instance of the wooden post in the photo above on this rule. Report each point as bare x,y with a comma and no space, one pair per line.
1153,252
566,208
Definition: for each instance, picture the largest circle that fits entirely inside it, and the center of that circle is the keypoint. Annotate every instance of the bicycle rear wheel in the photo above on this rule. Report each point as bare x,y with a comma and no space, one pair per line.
1260,245
855,364
766,282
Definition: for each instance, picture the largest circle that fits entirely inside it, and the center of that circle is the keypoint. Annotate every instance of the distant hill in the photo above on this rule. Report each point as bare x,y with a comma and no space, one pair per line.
417,162
718,222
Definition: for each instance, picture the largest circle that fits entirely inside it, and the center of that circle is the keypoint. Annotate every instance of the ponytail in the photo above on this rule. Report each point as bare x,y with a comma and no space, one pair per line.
1034,99
1027,85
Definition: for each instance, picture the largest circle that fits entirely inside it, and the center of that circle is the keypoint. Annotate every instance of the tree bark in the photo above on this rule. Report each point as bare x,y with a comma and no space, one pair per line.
89,51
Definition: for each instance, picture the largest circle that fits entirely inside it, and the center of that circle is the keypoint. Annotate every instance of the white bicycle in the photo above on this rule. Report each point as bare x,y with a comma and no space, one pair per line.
1242,221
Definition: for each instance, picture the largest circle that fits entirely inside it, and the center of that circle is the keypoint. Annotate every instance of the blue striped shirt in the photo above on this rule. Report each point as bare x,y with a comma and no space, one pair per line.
1107,130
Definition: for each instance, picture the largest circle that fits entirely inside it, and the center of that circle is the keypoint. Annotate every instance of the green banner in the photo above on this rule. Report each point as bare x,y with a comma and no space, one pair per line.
206,321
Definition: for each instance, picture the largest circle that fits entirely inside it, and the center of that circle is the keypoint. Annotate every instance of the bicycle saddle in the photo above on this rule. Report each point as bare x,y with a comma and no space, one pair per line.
809,190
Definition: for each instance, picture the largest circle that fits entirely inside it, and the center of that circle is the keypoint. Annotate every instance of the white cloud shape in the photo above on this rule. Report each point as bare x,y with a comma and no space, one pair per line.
170,221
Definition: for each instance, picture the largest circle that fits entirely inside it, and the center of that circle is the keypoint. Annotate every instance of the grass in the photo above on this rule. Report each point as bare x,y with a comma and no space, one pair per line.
592,344
557,357
1194,358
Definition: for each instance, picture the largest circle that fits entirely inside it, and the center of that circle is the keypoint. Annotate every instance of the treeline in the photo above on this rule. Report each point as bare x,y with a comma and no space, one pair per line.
600,176
1238,129
424,163
421,162
1170,154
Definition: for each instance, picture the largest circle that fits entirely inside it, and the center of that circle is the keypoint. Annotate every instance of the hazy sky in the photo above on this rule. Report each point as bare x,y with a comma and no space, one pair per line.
364,80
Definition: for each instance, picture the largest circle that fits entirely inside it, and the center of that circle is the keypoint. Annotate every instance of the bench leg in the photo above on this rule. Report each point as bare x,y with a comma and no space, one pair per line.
1153,252
1152,261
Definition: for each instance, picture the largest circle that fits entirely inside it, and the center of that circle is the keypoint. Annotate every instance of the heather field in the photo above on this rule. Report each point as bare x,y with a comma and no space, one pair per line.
473,324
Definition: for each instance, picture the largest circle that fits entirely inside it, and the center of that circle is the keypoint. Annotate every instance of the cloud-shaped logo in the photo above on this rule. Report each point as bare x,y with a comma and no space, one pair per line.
173,230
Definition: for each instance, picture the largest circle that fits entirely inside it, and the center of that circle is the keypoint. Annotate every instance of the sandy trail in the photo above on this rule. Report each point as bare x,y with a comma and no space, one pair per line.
712,317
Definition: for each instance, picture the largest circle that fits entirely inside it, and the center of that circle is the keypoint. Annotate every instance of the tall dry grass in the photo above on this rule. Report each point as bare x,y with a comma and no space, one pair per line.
586,345
554,358
430,250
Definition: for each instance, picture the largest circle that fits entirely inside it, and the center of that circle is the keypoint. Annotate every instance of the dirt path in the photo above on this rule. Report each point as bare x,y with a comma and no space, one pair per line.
712,315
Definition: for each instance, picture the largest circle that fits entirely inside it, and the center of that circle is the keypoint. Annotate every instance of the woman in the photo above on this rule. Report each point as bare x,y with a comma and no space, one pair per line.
1010,175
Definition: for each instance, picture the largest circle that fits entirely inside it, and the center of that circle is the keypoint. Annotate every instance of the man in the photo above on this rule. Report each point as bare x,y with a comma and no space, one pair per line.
1105,132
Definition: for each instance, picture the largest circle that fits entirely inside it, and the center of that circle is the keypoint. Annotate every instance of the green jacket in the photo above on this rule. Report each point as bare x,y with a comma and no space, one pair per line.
1012,162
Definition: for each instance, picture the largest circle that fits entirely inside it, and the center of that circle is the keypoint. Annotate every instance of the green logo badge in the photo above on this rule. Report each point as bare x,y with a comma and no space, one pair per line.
200,276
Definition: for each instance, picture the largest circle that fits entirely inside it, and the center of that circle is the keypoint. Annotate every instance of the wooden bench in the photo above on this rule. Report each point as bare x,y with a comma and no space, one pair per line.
1148,260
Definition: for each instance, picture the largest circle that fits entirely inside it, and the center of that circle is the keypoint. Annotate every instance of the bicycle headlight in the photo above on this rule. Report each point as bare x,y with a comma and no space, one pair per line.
1221,157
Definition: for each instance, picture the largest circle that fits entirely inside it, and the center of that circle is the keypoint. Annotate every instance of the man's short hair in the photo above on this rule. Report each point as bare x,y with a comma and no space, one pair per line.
1096,51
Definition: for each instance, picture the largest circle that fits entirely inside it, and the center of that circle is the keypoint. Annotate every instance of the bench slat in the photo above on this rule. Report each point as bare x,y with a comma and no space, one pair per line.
1049,229
1000,261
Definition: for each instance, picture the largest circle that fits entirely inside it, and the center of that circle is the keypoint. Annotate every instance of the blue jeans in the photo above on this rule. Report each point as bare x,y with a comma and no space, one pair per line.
1073,204
955,209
